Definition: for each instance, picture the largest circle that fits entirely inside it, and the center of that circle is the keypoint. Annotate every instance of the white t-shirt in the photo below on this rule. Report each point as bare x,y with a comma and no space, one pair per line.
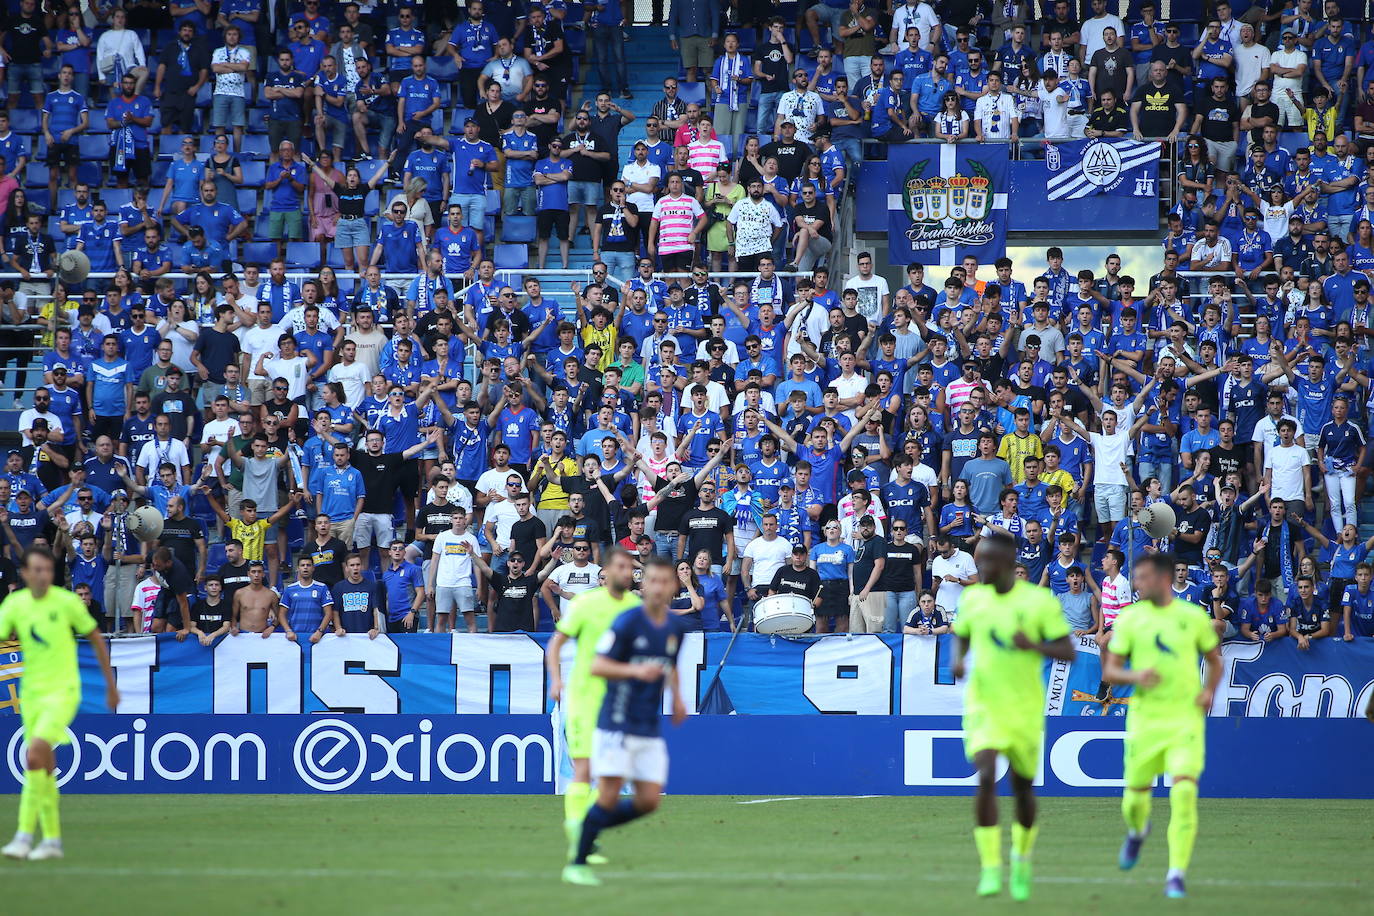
295,370
634,173
257,341
145,601
222,430
1108,453
155,453
453,555
1285,465
181,347
854,386
573,580
1287,59
295,320
754,222
1248,63
230,83
871,293
958,564
354,379
1212,254
768,556
1267,432
1055,107
1090,33
731,353
26,423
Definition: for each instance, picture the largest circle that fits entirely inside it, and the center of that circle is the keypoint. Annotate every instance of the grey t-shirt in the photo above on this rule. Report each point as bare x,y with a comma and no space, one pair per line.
987,478
1078,609
260,484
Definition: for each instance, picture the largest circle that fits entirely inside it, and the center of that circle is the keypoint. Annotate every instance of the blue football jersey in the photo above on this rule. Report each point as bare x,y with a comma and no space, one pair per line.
633,706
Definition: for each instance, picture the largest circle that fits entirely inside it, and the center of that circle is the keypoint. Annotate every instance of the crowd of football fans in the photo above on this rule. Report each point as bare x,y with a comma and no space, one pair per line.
296,345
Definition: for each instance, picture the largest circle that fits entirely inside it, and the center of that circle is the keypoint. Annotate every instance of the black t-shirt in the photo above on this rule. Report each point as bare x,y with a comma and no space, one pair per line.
1034,392
1307,621
235,578
1112,67
616,233
180,536
49,474
1273,535
791,157
515,607
1228,461
433,518
1260,111
328,558
351,202
177,581
706,528
180,408
525,535
867,554
584,168
218,349
210,617
1157,112
674,502
899,573
1181,57
1218,118
543,132
1110,119
1199,519
789,581
381,476
692,182
817,212
774,66
9,576
490,124
597,511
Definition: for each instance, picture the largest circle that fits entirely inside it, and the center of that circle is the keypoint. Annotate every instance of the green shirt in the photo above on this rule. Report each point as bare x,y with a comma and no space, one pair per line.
631,373
1170,639
589,616
46,628
1006,682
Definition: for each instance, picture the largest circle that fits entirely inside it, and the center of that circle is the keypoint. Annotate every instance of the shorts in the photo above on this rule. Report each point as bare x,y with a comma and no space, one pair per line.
1173,748
696,51
636,757
286,224
585,192
373,526
277,131
351,233
336,130
1110,501
398,626
141,167
830,15
46,717
257,390
985,732
834,598
451,598
578,726
63,155
550,223
474,209
228,111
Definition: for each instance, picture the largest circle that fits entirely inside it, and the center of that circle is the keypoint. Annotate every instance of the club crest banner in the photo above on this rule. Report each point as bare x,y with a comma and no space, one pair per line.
1119,167
945,202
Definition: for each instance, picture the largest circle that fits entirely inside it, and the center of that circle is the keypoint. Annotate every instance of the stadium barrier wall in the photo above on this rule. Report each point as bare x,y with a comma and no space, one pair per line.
769,755
481,674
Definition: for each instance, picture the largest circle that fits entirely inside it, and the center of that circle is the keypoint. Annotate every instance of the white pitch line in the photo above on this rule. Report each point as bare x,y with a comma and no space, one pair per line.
73,868
765,801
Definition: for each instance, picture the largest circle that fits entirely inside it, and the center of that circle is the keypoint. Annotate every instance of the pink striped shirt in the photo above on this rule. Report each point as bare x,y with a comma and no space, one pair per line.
704,156
958,391
676,216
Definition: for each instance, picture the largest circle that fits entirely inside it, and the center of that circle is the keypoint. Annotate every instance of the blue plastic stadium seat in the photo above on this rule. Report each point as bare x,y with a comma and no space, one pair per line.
259,252
443,69
511,256
691,92
24,121
254,173
304,255
94,147
116,197
168,145
373,204
459,116
247,201
255,145
214,557
35,175
334,257
518,229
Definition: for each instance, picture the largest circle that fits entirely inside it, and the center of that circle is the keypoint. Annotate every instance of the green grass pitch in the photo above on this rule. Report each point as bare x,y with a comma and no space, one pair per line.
716,855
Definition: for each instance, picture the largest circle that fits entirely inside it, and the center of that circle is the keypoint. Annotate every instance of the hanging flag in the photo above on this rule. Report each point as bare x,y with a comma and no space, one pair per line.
946,201
1120,167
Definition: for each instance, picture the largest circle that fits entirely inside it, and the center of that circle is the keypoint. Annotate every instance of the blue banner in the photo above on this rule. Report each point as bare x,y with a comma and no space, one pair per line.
946,201
768,755
504,674
1119,167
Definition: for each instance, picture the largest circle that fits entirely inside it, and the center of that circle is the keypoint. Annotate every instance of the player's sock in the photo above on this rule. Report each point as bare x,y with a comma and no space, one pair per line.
1135,809
989,843
1182,824
1023,840
575,802
599,819
29,802
47,808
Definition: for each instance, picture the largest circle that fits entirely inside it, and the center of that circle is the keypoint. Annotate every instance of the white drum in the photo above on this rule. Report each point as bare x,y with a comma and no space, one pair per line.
784,615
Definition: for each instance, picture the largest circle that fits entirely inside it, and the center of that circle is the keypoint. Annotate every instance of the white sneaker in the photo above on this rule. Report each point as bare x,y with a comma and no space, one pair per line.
19,847
48,849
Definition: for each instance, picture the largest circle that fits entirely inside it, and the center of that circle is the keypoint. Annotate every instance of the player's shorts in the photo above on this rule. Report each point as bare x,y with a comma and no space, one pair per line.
1021,746
1176,748
636,757
578,725
48,716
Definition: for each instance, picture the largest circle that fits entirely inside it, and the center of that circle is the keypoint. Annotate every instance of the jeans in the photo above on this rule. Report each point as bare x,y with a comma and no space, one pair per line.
665,543
619,264
1338,225
1340,496
768,113
522,199
1164,470
853,151
610,58
899,608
